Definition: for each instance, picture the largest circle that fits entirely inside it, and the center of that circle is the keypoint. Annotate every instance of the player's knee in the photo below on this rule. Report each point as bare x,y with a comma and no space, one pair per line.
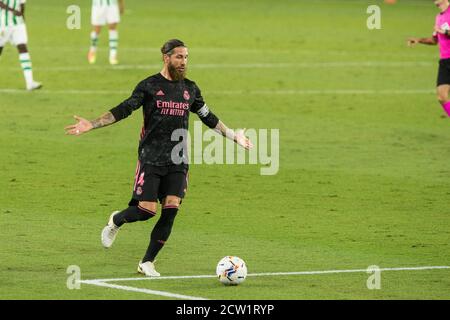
147,206
442,95
171,201
442,98
22,48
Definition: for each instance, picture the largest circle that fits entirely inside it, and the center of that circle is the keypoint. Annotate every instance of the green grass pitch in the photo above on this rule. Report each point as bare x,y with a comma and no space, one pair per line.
364,152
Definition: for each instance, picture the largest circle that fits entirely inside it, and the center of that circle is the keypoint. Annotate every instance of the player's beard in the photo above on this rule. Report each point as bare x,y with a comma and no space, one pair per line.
176,74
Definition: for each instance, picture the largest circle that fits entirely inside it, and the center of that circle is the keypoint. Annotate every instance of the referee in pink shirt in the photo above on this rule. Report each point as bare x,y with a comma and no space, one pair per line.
441,36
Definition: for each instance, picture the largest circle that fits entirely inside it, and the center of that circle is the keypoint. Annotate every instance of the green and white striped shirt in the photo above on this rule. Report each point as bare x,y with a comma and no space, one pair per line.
8,18
100,3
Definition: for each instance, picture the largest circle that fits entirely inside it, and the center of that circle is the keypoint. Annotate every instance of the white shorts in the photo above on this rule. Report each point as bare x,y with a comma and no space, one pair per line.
14,34
103,15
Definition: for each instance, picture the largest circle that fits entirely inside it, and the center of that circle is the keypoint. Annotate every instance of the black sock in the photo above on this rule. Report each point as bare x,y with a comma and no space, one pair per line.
132,214
160,233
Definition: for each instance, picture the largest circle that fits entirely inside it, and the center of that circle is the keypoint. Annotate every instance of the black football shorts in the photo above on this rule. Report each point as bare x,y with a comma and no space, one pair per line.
444,72
153,183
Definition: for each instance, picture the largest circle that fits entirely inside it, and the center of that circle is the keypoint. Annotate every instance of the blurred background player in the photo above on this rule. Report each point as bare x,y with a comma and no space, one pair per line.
14,31
441,36
105,12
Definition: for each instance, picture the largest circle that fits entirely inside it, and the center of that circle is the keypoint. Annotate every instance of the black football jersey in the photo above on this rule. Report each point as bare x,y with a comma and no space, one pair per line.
166,107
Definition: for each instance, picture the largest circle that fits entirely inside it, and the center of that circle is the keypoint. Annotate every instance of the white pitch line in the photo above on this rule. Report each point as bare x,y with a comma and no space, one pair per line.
146,291
263,51
268,65
234,92
324,92
346,271
151,278
70,91
269,274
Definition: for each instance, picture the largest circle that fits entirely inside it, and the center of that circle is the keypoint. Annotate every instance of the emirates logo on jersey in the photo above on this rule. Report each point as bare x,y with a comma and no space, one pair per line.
186,95
172,108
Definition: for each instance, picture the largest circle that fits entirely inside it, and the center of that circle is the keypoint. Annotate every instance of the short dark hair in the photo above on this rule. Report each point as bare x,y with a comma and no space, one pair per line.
168,47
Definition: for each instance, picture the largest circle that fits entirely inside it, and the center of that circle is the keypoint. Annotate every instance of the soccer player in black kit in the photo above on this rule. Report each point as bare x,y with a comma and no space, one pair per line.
167,98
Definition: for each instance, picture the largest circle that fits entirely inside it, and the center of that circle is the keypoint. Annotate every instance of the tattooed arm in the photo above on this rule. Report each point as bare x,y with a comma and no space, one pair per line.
122,111
83,125
237,136
105,120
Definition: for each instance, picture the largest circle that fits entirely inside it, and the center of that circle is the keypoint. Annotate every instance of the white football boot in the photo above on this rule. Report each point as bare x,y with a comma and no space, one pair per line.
34,86
109,232
148,269
92,57
113,60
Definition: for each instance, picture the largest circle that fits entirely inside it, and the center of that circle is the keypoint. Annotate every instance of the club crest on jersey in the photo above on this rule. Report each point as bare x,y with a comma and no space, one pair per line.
186,95
139,191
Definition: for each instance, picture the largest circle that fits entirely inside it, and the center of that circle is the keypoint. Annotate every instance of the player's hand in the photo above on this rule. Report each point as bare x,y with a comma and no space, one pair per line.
412,42
439,30
17,13
121,8
82,126
242,140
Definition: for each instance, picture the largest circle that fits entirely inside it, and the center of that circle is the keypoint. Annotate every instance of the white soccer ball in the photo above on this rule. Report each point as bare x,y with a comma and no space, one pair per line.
231,270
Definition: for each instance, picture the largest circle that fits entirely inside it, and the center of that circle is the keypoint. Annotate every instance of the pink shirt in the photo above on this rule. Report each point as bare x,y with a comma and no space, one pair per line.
443,22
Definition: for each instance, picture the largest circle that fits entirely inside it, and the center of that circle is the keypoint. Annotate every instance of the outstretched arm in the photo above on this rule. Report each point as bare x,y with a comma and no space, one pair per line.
116,114
237,136
211,120
83,125
428,41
